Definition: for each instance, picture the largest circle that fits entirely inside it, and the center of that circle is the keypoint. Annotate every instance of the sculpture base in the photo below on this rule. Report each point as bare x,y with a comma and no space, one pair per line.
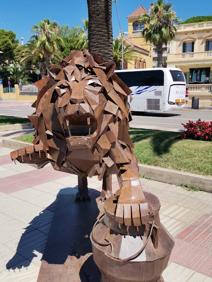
123,257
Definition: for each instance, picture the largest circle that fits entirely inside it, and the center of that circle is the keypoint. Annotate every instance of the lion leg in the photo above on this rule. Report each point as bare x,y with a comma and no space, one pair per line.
106,187
129,200
82,194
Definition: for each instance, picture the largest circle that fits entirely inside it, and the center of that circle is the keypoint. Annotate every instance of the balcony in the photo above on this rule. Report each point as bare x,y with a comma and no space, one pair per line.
190,57
194,26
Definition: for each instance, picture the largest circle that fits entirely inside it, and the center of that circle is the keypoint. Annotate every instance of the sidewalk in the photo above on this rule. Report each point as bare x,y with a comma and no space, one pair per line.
28,202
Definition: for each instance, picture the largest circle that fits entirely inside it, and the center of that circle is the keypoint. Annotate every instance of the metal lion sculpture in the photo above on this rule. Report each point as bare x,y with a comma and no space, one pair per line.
81,122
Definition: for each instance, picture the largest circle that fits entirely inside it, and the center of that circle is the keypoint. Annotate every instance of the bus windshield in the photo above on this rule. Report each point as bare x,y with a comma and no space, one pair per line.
139,78
177,75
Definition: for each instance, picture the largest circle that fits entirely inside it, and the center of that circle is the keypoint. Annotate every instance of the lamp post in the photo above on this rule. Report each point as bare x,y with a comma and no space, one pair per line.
122,50
0,66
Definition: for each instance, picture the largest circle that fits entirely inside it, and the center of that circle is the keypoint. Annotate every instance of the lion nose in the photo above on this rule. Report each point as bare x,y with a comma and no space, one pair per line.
77,94
77,100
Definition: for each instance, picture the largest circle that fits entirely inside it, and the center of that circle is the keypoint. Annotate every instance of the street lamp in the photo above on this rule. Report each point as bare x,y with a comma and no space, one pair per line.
0,65
122,49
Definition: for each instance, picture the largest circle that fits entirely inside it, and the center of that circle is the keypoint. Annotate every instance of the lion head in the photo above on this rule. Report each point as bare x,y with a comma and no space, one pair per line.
81,118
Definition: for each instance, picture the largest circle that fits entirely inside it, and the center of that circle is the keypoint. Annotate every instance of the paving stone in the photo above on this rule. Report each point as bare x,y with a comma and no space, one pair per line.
24,274
4,151
18,209
4,218
35,197
11,169
49,187
6,254
11,230
198,277
177,273
28,244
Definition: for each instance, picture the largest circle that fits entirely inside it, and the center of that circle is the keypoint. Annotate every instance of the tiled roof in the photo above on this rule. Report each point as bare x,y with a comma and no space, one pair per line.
138,12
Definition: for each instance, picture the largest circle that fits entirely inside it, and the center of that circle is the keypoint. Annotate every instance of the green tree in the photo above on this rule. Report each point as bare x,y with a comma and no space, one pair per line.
73,39
44,46
117,52
8,44
198,19
29,61
16,72
100,39
159,26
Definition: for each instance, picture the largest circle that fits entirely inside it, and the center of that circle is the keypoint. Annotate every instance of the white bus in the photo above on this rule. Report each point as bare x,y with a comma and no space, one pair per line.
155,89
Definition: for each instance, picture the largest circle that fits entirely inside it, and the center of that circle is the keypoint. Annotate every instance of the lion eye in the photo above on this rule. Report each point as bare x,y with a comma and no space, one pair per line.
94,82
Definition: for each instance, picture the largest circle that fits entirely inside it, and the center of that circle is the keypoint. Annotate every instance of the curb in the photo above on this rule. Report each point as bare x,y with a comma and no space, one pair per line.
152,127
180,178
16,126
171,176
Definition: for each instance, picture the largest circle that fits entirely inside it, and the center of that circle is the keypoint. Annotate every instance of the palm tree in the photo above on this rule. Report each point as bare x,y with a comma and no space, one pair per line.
44,46
100,39
117,52
73,39
159,26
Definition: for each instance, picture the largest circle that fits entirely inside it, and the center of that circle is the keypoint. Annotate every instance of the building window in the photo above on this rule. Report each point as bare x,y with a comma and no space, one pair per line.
200,75
208,45
138,26
139,64
188,47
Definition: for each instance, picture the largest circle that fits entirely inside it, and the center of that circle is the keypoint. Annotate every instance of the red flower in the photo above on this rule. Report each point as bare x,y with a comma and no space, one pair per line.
198,130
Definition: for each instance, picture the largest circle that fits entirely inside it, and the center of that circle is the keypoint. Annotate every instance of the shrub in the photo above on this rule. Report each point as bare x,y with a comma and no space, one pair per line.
200,130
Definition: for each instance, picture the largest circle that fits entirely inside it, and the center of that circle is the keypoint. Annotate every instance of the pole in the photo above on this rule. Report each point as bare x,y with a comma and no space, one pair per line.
122,50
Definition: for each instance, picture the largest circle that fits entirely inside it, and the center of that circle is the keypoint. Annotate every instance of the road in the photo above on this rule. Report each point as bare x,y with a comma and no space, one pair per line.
172,122
15,108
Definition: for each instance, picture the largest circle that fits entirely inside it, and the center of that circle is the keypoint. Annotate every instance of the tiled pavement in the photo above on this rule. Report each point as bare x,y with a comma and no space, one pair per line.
27,204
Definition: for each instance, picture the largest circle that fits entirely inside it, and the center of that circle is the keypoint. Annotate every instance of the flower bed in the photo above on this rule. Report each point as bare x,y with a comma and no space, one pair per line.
200,130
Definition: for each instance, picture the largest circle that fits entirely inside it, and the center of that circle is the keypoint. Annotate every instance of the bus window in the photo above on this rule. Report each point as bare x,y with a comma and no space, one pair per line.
177,75
139,78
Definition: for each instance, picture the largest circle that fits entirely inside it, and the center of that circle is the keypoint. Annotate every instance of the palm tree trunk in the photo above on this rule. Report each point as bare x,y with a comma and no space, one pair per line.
160,56
42,67
100,39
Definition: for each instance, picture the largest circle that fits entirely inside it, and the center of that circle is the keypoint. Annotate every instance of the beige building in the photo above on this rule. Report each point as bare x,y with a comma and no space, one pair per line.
142,51
191,51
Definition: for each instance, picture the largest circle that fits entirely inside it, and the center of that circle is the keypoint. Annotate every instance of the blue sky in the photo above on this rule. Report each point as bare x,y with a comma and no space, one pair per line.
20,15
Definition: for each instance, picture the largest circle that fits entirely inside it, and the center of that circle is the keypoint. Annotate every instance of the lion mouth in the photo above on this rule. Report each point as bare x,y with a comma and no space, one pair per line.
80,124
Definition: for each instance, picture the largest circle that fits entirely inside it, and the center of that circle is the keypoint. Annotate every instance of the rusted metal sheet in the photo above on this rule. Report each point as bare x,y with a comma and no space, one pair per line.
81,126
